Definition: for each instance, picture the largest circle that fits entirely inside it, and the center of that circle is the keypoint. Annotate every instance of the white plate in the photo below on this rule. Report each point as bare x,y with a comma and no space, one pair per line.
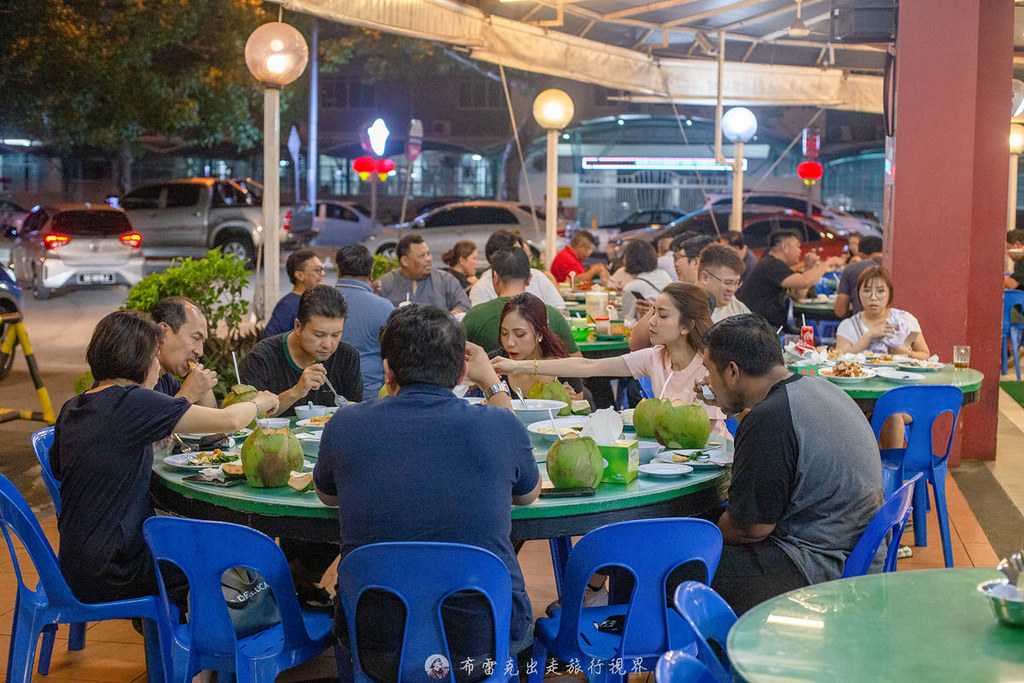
242,433
921,368
179,461
664,469
827,373
307,423
719,458
309,436
899,376
539,426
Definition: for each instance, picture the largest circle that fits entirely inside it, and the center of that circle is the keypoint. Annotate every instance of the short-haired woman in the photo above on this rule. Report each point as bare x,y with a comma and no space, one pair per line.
641,261
880,328
462,261
102,455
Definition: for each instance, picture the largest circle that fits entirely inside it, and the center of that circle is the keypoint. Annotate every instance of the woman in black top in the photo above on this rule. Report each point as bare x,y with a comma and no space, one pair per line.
102,455
462,261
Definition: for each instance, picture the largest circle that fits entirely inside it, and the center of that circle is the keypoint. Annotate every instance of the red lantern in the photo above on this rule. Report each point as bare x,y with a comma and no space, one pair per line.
364,166
384,166
810,172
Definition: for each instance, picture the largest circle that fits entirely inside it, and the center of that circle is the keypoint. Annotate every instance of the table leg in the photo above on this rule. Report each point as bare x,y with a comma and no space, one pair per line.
561,546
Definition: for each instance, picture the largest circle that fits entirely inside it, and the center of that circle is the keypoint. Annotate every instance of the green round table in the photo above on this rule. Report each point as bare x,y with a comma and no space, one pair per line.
815,310
867,392
926,625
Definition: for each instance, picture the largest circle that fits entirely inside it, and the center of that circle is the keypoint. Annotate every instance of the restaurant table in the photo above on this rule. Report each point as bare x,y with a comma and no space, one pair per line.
925,625
867,392
815,310
286,512
604,349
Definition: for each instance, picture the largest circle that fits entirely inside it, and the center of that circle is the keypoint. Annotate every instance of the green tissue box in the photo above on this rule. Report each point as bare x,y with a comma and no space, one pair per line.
623,460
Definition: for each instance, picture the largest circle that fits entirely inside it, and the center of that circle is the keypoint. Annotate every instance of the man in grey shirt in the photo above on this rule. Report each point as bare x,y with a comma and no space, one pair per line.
415,280
807,476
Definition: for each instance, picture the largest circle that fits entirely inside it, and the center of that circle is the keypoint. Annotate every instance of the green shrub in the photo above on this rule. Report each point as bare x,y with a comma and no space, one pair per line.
382,264
215,283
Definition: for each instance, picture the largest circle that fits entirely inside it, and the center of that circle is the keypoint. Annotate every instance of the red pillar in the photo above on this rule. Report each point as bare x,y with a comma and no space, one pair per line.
945,217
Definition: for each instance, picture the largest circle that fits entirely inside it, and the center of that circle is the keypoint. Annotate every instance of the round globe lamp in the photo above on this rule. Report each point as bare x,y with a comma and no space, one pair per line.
276,55
738,125
553,110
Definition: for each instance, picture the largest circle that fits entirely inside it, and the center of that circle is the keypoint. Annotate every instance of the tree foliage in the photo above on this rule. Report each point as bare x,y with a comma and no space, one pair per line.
104,73
385,56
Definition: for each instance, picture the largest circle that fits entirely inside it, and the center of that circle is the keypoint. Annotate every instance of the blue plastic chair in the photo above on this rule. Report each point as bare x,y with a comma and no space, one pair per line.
891,517
422,575
649,550
676,666
709,617
39,611
41,442
204,551
732,424
1012,331
924,403
647,391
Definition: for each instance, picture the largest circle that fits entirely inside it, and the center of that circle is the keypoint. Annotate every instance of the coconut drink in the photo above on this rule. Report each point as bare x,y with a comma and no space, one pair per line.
643,416
678,424
552,391
270,454
575,461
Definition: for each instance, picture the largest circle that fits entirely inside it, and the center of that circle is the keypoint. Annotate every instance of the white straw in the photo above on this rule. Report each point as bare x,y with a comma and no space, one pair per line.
238,378
803,320
551,416
665,385
778,331
572,278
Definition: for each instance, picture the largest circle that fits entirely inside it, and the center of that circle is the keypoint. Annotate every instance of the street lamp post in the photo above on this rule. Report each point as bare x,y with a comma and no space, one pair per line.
276,55
738,125
1016,147
553,109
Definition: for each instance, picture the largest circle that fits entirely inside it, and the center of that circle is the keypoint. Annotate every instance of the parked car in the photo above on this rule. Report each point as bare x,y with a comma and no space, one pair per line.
654,218
11,214
839,221
189,217
443,226
757,226
76,245
338,223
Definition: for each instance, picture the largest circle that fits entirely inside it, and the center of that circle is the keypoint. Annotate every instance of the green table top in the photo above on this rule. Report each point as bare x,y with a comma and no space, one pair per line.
969,381
817,306
590,347
288,502
927,625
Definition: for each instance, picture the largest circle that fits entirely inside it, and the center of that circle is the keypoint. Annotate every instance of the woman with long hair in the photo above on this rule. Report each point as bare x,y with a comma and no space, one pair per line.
880,328
462,261
102,455
525,336
674,362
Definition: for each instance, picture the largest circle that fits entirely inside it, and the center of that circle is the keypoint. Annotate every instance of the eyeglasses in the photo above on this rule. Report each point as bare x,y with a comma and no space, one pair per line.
728,283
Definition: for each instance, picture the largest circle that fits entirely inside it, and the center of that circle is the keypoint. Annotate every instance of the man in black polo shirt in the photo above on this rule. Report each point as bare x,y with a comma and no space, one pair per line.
767,289
297,364
807,476
185,331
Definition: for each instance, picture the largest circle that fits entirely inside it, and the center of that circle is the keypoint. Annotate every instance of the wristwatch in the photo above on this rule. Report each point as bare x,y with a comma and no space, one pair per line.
500,387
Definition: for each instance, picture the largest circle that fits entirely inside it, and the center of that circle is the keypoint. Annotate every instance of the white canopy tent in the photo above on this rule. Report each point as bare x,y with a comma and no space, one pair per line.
537,48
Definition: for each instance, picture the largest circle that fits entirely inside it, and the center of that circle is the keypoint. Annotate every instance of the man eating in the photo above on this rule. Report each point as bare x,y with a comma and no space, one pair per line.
184,327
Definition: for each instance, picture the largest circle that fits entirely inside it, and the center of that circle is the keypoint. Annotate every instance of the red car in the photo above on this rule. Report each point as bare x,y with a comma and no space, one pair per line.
816,237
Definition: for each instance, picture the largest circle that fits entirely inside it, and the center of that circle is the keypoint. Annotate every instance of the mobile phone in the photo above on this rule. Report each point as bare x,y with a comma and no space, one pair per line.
639,297
573,492
612,624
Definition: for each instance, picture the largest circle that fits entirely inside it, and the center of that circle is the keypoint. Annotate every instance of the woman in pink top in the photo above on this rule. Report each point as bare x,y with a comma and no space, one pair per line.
674,362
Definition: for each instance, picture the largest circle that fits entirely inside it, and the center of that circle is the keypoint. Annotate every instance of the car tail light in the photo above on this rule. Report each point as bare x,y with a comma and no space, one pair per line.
287,225
54,242
132,239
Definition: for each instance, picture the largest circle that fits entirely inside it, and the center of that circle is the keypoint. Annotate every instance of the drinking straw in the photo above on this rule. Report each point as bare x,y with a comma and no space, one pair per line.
551,416
803,320
572,278
665,385
238,378
778,331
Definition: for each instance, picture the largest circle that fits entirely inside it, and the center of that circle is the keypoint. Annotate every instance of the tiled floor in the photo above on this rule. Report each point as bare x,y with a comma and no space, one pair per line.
114,650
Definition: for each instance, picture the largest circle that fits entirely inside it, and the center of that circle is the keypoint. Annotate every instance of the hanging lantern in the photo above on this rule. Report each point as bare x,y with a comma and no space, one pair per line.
364,166
810,172
384,167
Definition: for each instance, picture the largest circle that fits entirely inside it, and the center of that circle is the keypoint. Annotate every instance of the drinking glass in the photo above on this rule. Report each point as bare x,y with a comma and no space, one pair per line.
961,357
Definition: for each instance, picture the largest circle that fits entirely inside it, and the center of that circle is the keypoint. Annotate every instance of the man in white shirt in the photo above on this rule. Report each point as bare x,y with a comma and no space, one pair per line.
540,284
720,272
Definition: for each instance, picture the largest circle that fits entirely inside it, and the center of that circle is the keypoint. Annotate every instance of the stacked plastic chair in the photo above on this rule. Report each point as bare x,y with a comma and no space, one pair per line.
709,618
890,520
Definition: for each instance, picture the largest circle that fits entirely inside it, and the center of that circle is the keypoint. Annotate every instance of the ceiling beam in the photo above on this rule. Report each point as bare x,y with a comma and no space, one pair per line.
712,12
630,11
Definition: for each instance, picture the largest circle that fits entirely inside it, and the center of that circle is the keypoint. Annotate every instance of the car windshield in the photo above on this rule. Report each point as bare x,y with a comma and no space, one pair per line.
94,223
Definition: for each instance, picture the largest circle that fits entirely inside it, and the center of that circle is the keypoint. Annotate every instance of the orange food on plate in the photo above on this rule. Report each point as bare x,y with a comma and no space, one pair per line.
848,369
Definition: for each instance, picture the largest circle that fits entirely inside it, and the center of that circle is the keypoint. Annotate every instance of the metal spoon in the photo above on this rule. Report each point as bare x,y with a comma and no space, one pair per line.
521,399
339,400
1018,562
1007,568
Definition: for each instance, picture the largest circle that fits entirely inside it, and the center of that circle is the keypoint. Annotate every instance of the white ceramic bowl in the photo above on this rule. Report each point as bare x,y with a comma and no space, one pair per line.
536,409
304,412
647,450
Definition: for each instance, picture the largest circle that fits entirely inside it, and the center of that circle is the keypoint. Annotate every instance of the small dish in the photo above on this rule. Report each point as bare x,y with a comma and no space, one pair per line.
827,372
664,470
312,422
921,366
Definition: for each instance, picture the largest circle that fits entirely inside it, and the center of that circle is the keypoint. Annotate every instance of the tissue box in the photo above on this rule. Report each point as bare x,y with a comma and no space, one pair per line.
623,459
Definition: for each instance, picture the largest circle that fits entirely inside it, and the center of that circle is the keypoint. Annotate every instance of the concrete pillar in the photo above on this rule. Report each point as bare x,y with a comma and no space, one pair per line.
945,222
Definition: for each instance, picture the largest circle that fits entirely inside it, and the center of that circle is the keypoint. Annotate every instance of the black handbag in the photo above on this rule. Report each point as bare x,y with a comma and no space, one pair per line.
251,603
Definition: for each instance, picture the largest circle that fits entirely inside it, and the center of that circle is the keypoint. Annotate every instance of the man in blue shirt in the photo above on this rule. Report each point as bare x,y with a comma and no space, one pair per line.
304,271
409,466
367,313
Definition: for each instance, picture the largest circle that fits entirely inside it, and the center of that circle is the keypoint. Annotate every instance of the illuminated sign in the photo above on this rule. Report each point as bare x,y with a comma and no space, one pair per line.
657,164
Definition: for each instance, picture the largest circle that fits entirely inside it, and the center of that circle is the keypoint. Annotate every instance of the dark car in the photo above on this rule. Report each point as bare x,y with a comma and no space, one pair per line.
654,218
757,226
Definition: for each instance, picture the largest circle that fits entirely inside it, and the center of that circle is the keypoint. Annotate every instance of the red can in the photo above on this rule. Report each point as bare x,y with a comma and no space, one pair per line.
807,335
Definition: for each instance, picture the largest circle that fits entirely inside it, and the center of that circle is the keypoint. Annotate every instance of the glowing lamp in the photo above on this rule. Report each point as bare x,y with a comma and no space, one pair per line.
739,124
810,172
553,109
384,167
1016,138
364,166
276,53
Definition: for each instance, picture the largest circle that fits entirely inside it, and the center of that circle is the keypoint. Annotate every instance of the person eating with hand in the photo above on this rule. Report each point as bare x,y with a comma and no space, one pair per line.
184,332
297,365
